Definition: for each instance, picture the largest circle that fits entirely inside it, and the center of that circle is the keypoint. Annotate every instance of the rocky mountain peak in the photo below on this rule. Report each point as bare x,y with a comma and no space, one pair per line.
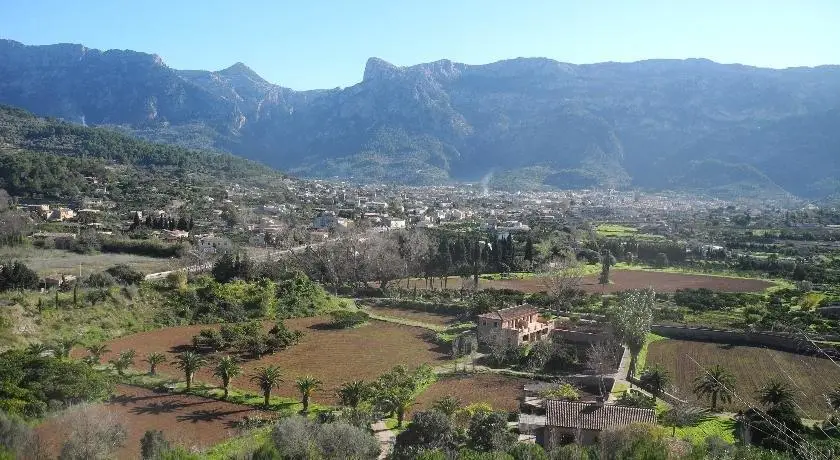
241,70
376,68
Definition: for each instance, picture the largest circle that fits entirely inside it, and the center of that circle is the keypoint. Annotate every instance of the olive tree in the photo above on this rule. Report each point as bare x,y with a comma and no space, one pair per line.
631,319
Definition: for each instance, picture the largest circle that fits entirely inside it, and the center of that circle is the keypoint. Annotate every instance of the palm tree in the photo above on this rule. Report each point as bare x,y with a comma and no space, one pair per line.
448,405
96,352
123,361
834,399
267,378
190,362
353,393
656,379
154,359
64,346
400,400
37,348
776,394
227,369
716,383
680,415
306,385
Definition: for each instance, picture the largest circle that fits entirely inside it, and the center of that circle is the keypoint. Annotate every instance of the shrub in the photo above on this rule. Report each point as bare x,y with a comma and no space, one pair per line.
153,445
125,274
100,280
34,380
636,399
95,434
343,319
210,338
342,440
17,437
16,275
149,248
563,391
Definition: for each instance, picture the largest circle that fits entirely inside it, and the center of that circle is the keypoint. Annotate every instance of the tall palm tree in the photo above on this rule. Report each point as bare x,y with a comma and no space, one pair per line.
656,379
353,393
96,352
716,383
190,362
776,394
227,369
306,385
267,378
154,359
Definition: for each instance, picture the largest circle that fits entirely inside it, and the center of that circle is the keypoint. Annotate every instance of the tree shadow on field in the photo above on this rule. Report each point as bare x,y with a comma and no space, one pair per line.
156,408
126,399
210,415
325,327
165,407
178,349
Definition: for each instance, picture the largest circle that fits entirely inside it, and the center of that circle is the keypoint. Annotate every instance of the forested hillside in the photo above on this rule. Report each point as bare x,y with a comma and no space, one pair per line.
52,159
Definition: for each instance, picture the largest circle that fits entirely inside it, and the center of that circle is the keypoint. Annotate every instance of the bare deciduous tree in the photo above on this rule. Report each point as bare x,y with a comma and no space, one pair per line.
563,281
383,258
496,343
602,359
96,433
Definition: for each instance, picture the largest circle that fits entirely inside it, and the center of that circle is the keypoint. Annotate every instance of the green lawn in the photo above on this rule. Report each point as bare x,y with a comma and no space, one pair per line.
722,427
239,446
640,361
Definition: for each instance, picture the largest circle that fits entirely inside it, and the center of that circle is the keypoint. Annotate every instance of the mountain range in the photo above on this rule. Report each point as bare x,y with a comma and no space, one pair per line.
529,122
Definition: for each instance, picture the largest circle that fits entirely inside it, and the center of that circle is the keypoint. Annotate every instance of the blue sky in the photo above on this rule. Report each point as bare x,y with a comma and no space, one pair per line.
324,44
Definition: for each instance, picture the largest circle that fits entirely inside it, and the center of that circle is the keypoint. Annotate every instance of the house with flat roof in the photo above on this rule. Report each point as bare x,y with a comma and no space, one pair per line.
516,325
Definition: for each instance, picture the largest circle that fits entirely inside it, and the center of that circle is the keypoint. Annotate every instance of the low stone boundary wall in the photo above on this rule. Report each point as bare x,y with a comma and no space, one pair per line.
581,337
777,341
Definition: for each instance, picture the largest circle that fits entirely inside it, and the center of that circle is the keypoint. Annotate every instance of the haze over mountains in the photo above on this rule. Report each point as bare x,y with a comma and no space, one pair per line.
687,124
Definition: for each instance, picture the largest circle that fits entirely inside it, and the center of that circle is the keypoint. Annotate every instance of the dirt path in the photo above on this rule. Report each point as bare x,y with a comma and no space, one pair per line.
620,376
386,438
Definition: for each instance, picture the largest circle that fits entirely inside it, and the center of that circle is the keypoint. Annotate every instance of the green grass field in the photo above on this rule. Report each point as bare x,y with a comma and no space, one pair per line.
56,261
615,230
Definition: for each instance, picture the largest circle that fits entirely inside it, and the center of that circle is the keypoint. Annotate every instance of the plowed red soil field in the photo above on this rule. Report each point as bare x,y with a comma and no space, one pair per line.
622,280
333,356
810,377
501,392
190,421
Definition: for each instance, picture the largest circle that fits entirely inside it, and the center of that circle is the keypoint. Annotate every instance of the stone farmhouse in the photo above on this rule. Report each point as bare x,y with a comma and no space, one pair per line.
516,325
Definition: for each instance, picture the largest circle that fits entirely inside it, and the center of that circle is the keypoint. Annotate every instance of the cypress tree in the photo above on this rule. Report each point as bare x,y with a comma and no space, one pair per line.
529,250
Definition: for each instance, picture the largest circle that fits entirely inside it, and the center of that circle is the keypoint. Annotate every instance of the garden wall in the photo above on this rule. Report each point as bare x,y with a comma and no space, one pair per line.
777,341
581,337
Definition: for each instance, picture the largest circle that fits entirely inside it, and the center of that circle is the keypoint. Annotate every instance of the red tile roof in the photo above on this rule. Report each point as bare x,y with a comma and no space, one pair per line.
568,414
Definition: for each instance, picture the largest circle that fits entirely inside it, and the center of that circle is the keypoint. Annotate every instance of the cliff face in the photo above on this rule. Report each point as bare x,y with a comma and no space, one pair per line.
660,123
